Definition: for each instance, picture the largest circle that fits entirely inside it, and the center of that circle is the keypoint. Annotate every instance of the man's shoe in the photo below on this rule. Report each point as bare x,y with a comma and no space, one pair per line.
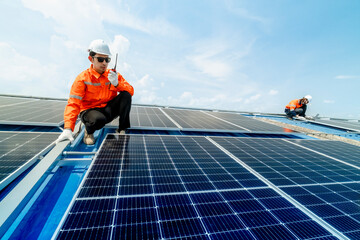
121,132
88,138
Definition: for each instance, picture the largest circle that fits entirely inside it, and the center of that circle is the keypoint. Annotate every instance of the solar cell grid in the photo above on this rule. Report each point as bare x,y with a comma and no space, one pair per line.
18,149
335,206
317,173
9,101
248,123
179,210
342,124
199,120
301,166
34,111
340,150
147,117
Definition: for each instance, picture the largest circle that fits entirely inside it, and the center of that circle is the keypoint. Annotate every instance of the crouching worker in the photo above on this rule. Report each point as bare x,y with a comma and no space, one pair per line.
99,95
297,107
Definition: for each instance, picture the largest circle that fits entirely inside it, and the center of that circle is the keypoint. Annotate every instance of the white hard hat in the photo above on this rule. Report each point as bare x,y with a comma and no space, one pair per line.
99,46
308,97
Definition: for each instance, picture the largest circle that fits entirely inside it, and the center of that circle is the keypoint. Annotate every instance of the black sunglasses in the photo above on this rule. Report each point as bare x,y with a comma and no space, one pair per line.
101,59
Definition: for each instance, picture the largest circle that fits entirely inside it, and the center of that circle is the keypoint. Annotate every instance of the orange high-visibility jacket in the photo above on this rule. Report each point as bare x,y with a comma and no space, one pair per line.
294,104
91,90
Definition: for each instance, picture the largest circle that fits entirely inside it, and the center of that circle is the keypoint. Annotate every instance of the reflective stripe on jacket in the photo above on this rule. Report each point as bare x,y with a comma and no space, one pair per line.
91,90
294,104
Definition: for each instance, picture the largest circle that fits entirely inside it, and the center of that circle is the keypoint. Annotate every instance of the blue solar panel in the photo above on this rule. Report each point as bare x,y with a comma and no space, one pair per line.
246,122
283,164
149,117
198,120
30,110
339,150
188,188
310,178
18,150
333,201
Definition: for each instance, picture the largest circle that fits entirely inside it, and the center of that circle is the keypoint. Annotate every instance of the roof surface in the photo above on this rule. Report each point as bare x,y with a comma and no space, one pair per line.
176,174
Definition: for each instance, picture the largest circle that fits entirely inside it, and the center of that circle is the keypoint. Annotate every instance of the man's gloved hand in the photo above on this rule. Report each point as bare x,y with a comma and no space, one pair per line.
66,134
300,118
113,78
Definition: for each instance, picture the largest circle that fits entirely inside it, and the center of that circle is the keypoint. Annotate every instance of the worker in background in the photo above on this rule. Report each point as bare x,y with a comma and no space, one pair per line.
297,108
99,95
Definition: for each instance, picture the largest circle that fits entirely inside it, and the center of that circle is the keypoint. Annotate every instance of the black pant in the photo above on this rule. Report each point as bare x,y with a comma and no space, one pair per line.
299,111
96,118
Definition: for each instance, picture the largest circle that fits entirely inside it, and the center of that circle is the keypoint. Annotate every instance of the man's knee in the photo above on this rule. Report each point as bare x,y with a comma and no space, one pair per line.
94,119
125,96
299,111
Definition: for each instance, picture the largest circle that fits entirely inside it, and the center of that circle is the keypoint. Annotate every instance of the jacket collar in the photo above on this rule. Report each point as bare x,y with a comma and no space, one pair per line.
96,74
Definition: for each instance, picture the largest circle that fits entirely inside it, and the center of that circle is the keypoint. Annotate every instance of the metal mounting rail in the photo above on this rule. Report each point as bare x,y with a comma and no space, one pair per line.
78,153
10,205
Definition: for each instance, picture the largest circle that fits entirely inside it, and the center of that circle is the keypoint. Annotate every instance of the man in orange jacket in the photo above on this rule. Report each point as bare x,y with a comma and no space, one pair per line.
94,95
297,107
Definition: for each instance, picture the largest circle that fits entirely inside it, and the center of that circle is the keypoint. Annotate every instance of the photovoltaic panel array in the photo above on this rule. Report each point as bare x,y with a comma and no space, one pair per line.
355,126
32,111
339,150
11,101
144,117
283,163
150,116
324,185
337,204
246,122
198,120
165,118
172,187
18,150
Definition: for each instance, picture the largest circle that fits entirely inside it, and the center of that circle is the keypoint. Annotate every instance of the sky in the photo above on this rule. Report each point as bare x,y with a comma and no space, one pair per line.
238,55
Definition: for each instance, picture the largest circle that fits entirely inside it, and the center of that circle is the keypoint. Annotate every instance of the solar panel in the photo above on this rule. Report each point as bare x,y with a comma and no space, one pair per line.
18,150
355,126
285,164
309,177
339,150
248,123
147,117
33,111
199,120
157,187
6,101
338,204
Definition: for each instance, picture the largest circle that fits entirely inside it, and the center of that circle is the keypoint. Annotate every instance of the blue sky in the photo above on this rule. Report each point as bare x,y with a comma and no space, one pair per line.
234,55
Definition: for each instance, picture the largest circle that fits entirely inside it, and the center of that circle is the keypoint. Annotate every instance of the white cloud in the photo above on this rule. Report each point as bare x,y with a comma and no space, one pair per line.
347,77
79,20
217,58
144,82
82,20
252,98
246,14
189,99
121,15
27,76
146,97
120,45
273,92
208,63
